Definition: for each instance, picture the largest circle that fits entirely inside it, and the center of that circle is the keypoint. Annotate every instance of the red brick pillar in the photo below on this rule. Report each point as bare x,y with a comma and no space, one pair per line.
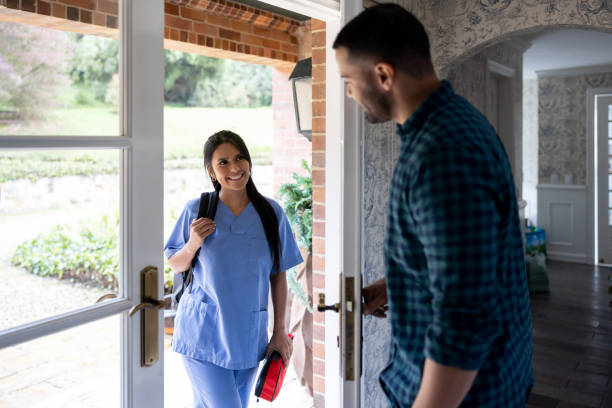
290,147
318,187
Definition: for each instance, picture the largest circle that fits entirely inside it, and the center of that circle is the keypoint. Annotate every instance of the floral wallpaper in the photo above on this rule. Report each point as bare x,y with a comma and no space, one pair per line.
562,126
461,28
458,30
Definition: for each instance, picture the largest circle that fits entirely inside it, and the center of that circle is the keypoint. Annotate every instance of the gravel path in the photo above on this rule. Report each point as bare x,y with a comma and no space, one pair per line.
33,297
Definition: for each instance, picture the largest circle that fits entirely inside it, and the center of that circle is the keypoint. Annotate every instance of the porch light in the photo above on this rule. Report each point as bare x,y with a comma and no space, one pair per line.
301,81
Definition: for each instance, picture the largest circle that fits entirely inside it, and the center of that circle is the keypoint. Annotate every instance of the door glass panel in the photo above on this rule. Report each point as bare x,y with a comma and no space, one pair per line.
609,129
59,231
609,112
57,82
79,367
609,199
609,181
610,217
610,147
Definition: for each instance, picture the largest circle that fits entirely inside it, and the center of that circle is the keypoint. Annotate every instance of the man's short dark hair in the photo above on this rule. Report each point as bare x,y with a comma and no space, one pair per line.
388,33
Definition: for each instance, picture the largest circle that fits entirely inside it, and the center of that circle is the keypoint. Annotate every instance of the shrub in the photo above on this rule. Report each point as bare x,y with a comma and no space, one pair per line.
88,254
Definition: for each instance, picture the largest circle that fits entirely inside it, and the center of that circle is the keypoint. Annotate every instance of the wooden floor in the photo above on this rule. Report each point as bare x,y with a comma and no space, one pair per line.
572,335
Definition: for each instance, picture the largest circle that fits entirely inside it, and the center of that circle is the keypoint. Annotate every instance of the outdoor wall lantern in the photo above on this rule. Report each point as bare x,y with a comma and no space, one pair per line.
301,81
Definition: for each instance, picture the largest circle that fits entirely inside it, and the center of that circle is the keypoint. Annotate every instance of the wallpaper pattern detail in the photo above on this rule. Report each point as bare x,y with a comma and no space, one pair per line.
461,28
381,148
562,125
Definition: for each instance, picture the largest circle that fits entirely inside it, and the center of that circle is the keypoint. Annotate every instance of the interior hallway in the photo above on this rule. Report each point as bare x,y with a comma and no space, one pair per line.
572,334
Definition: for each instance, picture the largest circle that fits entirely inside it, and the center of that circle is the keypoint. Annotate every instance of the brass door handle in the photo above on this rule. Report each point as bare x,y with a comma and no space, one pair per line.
322,307
149,304
107,296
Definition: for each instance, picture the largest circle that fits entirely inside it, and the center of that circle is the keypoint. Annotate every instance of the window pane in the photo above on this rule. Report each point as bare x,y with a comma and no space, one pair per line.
609,181
609,199
59,218
610,217
609,112
79,367
57,82
609,129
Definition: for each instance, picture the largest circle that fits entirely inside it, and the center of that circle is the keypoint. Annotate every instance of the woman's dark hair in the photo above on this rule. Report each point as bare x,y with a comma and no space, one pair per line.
388,33
261,204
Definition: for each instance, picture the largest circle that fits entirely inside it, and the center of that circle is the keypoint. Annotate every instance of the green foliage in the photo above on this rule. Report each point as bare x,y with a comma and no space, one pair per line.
184,72
33,69
242,86
297,200
94,62
297,289
36,165
89,255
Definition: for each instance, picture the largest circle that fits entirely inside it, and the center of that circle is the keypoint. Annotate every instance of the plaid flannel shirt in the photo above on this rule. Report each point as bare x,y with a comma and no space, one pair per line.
455,268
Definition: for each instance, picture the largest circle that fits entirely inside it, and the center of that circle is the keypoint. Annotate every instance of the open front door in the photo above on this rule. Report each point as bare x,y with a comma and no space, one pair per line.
74,351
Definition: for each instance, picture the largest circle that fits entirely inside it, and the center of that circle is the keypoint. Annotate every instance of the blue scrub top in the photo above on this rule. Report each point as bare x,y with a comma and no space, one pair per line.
225,317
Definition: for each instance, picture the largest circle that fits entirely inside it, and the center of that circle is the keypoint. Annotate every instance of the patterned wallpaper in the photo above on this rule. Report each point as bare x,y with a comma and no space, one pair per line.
458,30
562,125
461,28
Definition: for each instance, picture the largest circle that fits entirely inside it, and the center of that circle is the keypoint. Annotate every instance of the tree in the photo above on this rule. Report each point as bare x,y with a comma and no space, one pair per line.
184,72
33,69
95,61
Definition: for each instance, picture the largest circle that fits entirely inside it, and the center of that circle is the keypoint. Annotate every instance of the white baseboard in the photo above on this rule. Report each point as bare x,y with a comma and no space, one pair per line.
569,257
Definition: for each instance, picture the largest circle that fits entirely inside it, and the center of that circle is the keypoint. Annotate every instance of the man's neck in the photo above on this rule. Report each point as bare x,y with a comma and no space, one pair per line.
411,93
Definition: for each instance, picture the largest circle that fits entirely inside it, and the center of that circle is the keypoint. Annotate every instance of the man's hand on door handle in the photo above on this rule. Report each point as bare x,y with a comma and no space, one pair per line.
375,299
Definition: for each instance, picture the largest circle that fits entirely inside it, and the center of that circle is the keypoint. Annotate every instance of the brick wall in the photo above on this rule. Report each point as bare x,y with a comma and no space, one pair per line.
318,187
215,28
290,147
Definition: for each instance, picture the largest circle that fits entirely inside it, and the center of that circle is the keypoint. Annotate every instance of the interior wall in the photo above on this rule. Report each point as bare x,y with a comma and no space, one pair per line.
562,115
471,78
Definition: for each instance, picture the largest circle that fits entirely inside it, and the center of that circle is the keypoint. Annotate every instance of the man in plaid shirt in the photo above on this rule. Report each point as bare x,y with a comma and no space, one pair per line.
455,274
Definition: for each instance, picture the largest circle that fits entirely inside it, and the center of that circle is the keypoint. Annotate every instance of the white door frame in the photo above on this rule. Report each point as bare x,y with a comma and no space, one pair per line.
343,197
141,198
591,168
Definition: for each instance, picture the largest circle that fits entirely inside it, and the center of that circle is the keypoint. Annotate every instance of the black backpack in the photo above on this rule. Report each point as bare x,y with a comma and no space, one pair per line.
182,280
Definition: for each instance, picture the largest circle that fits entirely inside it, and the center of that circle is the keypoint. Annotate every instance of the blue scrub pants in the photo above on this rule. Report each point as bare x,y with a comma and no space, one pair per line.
218,387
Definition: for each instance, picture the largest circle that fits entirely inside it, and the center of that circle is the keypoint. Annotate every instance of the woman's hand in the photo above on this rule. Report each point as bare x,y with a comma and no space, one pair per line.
199,230
281,342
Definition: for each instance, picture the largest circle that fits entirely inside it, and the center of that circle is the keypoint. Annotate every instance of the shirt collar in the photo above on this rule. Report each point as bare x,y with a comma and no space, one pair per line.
433,101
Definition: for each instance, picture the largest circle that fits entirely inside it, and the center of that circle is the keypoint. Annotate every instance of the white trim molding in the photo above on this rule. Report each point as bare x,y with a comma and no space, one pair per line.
500,69
563,214
596,69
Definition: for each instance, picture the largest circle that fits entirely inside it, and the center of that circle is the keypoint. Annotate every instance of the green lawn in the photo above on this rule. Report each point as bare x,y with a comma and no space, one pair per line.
185,131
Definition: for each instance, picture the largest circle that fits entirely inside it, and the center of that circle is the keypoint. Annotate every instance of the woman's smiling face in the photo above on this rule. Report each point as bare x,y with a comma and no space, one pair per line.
230,167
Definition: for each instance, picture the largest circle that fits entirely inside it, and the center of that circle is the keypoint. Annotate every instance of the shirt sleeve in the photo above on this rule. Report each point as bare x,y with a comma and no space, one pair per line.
289,252
180,233
456,207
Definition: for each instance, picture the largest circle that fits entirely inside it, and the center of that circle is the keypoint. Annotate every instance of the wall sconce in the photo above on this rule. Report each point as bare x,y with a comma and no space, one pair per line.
301,82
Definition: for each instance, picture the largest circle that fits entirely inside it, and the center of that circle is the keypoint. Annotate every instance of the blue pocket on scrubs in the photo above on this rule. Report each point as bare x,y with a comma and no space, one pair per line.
194,321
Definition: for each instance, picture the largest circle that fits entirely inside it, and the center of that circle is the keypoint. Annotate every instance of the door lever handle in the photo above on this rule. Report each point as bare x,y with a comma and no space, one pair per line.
322,307
149,304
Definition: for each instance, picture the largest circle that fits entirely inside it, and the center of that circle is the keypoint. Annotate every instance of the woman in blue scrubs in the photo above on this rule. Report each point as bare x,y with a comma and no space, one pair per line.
221,324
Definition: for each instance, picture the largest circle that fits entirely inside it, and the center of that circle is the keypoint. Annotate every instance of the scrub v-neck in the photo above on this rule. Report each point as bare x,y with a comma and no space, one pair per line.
237,224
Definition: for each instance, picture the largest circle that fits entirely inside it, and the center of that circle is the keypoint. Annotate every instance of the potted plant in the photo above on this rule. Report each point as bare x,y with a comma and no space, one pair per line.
297,202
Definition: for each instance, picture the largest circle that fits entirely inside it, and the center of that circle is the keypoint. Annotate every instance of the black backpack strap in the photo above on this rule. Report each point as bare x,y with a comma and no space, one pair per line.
207,209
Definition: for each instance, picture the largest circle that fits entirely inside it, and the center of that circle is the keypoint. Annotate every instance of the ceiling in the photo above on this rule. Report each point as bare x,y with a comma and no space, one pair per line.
567,49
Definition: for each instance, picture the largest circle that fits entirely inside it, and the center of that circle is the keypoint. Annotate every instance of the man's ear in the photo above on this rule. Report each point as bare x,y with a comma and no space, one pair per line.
385,75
